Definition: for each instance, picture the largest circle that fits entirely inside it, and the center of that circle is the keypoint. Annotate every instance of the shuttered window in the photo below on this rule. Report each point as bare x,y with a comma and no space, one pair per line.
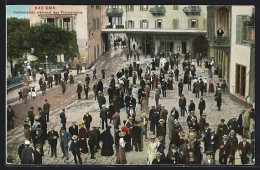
143,7
175,23
193,23
175,7
205,24
144,24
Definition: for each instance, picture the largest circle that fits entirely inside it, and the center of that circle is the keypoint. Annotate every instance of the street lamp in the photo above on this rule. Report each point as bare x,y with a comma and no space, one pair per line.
46,63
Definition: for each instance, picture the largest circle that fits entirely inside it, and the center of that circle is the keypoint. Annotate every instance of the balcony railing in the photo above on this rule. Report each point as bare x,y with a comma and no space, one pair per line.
220,41
192,10
115,12
158,11
117,26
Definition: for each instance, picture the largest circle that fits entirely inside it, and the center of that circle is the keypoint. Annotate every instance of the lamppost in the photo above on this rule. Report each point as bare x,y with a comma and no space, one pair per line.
46,63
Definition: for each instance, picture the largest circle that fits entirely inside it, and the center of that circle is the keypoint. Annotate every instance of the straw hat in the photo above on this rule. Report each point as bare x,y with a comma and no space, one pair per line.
130,118
81,125
74,137
158,154
27,142
161,121
122,134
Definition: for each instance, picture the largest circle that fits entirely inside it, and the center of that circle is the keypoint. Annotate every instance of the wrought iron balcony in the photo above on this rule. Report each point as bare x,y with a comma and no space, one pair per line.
157,11
192,10
115,12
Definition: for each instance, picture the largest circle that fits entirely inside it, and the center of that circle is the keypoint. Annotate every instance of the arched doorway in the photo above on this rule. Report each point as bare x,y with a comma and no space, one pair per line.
200,45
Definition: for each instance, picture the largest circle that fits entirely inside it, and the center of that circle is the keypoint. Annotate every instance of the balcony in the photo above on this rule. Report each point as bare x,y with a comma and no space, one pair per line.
219,41
116,26
115,12
192,10
158,11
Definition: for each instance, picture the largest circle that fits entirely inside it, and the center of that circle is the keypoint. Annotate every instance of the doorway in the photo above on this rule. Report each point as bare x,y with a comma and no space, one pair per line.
183,47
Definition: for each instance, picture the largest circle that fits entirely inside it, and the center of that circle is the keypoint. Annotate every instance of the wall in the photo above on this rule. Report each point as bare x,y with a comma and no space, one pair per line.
240,54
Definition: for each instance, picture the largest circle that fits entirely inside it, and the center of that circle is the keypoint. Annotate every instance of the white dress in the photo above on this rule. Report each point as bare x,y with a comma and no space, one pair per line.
152,149
135,93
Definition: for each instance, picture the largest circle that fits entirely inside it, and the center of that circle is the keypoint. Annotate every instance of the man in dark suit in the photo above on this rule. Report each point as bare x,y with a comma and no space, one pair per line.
214,141
74,129
103,116
87,118
182,105
52,140
220,32
46,109
202,105
180,87
10,118
63,118
75,149
191,106
31,115
209,160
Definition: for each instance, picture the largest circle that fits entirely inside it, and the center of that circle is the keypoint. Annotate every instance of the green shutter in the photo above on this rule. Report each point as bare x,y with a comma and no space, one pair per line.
126,8
197,23
205,23
72,23
175,7
141,7
155,24
189,23
133,25
239,29
133,8
126,26
61,23
45,21
141,24
147,24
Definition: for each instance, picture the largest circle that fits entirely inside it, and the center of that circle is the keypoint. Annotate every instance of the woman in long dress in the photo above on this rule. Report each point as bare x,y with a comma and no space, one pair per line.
83,138
152,149
121,157
108,141
211,86
203,67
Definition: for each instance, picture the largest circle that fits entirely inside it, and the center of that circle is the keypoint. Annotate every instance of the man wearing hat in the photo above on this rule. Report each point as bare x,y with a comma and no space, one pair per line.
79,89
27,153
100,86
244,149
206,139
232,124
37,154
218,98
65,137
202,105
232,139
10,118
154,119
163,115
214,141
183,151
92,141
180,87
161,131
75,149
101,100
103,115
182,105
38,138
42,120
191,106
224,150
222,129
31,115
157,159
144,121
63,118
52,140
46,109
208,160
191,159
87,118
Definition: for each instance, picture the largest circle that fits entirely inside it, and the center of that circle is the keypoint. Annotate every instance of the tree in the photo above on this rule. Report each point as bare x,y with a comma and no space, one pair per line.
51,41
16,46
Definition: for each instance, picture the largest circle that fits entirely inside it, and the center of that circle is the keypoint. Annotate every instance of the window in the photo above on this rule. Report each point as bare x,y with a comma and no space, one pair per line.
129,8
94,24
205,24
175,7
131,24
245,30
158,23
66,24
50,21
193,23
92,6
143,24
143,7
98,24
158,6
97,6
240,80
175,23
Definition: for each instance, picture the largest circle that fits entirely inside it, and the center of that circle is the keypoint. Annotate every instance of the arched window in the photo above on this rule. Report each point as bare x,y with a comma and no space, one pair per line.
222,21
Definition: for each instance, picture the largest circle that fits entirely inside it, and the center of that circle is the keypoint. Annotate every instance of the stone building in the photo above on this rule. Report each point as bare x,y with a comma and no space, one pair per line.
161,28
86,20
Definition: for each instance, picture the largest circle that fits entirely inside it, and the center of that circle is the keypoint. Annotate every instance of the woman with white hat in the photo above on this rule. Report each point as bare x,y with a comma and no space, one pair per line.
121,157
152,149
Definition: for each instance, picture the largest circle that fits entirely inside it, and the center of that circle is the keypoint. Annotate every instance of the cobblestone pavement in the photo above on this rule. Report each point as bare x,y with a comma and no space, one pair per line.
75,110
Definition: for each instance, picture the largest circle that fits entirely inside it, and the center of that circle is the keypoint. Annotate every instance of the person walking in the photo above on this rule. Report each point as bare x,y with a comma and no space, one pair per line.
87,118
50,80
75,149
52,140
218,98
94,73
25,93
63,87
46,109
31,115
180,87
63,118
211,86
103,116
65,137
157,97
10,117
121,156
244,149
86,90
79,89
83,138
202,105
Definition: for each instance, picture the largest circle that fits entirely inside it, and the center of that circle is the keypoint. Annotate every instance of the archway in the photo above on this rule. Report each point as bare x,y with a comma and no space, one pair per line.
200,45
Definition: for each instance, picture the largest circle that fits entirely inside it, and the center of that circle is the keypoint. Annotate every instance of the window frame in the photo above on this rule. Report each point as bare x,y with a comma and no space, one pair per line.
238,81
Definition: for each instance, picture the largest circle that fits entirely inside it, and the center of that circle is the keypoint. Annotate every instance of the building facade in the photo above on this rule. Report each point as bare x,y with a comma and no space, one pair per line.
242,56
161,28
86,20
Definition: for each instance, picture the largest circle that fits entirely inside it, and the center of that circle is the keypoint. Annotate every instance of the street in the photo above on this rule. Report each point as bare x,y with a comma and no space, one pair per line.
75,110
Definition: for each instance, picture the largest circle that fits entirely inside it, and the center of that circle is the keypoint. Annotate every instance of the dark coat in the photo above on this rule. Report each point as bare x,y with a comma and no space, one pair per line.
75,147
182,102
74,130
79,88
192,107
173,158
226,150
103,113
87,119
46,107
100,86
38,138
160,131
20,150
37,157
27,155
108,141
202,104
111,112
63,117
53,137
136,134
222,130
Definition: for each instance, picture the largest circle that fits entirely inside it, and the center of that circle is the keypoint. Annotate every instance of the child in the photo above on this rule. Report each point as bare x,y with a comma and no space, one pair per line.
20,93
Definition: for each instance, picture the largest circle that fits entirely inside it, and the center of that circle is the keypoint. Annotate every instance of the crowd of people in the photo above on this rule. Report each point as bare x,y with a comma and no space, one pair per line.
129,88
